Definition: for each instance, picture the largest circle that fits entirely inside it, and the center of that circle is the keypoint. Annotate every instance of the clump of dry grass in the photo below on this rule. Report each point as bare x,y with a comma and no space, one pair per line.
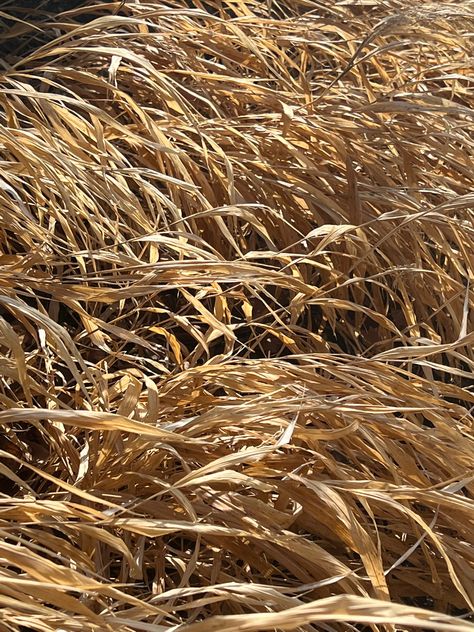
236,326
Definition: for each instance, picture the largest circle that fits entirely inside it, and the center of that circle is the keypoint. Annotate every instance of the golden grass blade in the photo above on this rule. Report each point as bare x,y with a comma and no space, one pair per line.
344,608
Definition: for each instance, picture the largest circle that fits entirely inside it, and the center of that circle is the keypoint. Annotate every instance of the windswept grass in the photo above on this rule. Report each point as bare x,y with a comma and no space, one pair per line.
236,316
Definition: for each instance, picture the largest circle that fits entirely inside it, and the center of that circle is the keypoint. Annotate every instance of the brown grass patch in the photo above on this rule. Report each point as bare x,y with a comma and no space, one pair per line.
236,316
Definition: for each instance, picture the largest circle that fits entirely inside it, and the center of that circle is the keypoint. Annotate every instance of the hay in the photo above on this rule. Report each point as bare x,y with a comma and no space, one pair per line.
236,325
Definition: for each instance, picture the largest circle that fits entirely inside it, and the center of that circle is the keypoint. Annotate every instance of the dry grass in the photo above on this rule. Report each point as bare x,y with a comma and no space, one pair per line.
236,316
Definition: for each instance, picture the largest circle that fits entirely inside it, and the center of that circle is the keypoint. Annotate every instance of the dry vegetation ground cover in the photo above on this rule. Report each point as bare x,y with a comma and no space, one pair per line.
236,316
